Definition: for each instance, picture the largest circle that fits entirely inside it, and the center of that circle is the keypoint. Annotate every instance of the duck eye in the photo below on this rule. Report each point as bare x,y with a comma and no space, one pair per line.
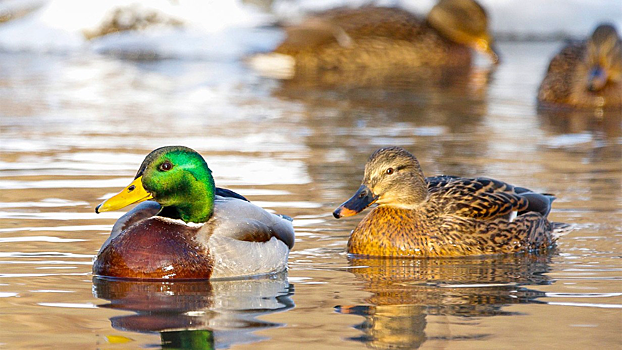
389,171
166,166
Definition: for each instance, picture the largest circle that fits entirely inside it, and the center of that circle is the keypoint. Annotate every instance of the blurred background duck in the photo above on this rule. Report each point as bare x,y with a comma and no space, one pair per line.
186,228
586,74
443,216
382,37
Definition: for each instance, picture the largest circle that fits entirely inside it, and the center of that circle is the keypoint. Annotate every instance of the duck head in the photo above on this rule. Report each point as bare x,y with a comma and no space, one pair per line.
392,177
464,22
177,178
603,57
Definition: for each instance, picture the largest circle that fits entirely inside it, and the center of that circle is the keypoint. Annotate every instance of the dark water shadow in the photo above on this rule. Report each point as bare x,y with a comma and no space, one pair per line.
404,292
197,314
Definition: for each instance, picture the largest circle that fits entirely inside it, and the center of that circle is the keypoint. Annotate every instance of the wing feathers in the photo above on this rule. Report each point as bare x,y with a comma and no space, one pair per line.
484,198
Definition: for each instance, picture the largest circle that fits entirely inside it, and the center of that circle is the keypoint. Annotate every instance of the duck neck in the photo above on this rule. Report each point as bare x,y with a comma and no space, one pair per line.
416,193
196,200
195,212
408,192
421,189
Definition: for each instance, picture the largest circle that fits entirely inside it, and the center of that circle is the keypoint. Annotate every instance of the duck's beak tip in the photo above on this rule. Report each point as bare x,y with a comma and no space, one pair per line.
343,211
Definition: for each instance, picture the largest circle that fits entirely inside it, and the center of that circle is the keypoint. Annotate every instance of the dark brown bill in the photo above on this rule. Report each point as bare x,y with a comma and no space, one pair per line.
362,199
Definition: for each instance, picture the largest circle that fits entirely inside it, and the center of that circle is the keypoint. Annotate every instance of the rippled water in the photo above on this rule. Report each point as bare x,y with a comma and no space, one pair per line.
74,128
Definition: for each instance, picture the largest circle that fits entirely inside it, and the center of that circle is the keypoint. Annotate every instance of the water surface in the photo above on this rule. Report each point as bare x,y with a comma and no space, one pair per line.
74,128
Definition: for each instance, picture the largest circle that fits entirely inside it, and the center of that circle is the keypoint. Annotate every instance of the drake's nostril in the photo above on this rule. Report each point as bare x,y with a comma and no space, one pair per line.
131,188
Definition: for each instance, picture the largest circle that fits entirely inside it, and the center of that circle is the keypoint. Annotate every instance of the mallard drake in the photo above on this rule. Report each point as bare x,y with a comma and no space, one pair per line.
586,74
443,216
191,229
382,37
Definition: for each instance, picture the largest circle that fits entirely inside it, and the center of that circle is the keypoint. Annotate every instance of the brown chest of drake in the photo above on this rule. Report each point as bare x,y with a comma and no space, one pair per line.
155,248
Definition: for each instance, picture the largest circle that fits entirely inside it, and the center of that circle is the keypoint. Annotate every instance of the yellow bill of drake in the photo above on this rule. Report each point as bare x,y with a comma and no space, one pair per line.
134,193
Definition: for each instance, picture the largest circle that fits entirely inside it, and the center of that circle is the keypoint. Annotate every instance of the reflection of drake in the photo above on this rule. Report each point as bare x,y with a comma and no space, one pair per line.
221,312
586,74
191,229
381,37
405,291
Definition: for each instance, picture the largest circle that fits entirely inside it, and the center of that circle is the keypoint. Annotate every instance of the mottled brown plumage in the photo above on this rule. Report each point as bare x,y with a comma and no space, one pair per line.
383,37
586,74
443,216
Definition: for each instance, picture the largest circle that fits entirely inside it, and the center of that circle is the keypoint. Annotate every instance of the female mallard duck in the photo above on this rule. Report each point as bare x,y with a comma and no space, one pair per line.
383,37
443,216
586,74
191,229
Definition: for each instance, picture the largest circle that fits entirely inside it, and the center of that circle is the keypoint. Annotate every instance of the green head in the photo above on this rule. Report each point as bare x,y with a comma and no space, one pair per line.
176,177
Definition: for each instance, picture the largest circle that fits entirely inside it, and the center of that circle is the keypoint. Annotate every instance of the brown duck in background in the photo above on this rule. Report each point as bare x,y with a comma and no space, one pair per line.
382,37
443,216
586,74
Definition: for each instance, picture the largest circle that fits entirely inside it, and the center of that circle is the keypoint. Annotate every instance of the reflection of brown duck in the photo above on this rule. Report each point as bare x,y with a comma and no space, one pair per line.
607,123
405,291
173,308
443,216
469,81
586,74
379,37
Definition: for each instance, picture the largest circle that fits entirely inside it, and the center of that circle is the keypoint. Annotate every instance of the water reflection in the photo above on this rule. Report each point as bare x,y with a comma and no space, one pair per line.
384,91
472,80
191,314
594,134
405,292
607,123
434,113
